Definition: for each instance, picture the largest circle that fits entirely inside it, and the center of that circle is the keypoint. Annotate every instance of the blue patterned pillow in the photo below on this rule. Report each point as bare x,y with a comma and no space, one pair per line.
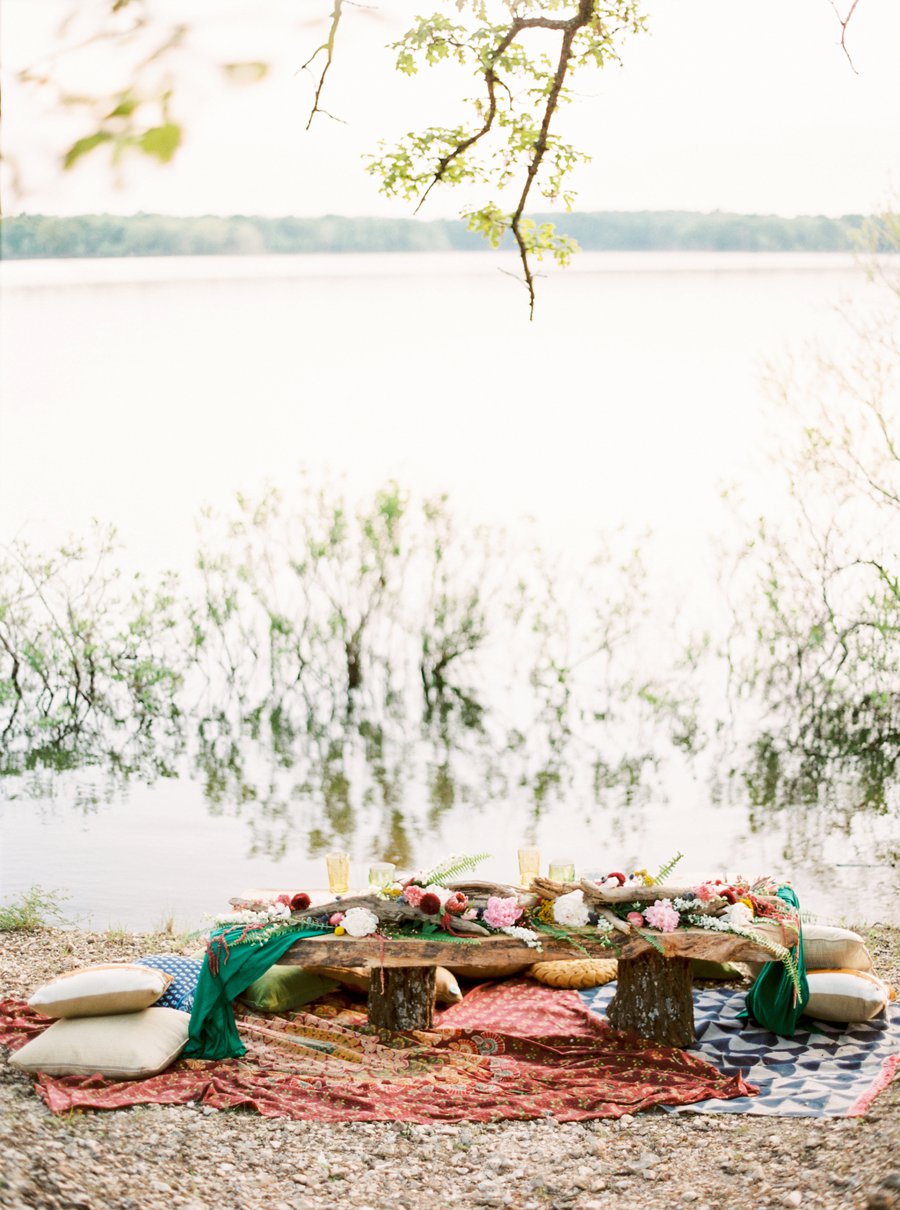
184,971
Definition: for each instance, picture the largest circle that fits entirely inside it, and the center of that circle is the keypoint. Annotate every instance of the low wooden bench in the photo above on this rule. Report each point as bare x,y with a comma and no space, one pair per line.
653,996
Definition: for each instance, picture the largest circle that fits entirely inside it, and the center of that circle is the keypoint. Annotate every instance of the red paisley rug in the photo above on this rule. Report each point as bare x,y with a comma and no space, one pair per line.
510,1050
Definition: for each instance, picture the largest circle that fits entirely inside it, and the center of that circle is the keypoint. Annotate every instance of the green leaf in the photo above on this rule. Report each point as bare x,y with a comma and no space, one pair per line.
161,141
82,146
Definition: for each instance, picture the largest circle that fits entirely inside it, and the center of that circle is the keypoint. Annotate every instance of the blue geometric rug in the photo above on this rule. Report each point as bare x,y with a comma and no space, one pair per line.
824,1071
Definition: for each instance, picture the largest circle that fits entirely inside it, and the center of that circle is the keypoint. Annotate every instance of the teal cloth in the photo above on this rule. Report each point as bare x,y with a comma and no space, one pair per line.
213,1033
770,1001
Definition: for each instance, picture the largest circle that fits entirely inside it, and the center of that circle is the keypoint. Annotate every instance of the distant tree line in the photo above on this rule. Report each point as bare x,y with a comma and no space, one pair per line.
31,236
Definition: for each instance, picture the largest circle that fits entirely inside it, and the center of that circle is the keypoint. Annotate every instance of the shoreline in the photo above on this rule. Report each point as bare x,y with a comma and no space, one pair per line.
197,1157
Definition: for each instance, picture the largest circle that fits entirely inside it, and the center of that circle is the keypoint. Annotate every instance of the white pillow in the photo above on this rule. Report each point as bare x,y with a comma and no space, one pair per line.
845,995
127,1046
96,991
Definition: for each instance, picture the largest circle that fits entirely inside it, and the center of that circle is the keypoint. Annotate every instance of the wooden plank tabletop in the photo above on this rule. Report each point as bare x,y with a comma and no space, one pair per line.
329,950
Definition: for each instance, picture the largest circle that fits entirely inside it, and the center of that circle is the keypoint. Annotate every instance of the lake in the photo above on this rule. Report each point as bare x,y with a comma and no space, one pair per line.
140,391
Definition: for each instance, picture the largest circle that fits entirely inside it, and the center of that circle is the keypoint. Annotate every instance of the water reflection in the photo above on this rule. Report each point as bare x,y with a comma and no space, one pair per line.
360,677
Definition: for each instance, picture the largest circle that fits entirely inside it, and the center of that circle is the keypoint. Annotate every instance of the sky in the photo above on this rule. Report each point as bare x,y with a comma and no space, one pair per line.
724,104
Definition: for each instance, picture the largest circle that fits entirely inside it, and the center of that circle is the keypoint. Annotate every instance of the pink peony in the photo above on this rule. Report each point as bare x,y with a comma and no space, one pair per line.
704,892
336,918
635,918
661,915
414,895
501,913
285,899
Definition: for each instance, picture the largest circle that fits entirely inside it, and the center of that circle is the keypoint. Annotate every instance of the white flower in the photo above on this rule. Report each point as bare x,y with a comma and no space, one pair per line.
603,926
529,936
739,914
359,922
569,910
273,913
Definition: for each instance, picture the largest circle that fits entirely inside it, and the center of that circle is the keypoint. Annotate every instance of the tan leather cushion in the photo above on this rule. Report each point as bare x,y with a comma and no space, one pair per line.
94,991
582,972
500,971
127,1046
446,989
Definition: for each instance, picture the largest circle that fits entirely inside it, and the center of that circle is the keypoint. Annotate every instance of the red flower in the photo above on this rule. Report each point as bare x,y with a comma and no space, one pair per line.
457,903
430,904
300,902
616,874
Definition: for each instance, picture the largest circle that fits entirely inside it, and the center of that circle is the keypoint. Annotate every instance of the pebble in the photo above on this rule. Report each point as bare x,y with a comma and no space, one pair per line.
197,1158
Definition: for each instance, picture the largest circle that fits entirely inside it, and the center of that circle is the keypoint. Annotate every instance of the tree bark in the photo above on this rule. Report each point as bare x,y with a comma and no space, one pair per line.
407,1001
653,999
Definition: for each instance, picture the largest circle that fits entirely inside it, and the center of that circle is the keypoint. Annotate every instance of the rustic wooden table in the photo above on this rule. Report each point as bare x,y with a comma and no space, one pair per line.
653,994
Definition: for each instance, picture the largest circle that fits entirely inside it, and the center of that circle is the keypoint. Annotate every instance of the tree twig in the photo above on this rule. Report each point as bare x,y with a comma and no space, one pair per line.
326,48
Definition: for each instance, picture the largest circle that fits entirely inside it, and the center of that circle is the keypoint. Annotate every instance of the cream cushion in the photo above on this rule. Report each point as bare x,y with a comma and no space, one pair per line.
96,991
826,947
127,1046
845,995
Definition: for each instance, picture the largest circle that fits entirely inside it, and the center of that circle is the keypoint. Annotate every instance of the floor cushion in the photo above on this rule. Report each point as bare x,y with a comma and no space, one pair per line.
446,989
580,973
184,972
845,995
827,947
121,987
127,1046
504,970
284,989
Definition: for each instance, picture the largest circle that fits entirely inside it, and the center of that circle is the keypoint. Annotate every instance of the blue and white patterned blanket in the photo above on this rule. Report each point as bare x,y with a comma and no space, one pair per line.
824,1071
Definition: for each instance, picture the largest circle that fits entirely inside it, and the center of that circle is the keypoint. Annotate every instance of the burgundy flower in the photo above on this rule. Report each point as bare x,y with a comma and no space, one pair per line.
300,902
429,904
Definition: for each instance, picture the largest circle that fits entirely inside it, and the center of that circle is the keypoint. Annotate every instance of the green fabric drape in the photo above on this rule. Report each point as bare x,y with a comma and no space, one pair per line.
213,1033
770,1001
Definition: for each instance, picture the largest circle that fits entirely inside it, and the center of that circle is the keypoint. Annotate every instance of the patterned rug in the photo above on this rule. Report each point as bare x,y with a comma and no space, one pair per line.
512,1050
824,1071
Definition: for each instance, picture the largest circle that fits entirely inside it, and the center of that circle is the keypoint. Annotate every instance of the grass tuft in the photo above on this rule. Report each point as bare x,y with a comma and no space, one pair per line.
35,909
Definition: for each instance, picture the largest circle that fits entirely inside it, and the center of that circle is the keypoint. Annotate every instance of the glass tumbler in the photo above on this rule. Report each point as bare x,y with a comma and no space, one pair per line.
529,865
381,874
562,870
338,866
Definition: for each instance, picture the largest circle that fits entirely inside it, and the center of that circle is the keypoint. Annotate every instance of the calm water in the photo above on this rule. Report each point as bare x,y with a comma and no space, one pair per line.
139,391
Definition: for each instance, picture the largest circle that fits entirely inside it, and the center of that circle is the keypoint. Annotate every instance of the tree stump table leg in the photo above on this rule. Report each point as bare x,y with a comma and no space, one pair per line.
407,1001
653,999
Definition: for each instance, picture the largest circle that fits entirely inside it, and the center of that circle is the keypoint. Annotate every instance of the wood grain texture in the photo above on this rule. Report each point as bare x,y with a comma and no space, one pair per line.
492,951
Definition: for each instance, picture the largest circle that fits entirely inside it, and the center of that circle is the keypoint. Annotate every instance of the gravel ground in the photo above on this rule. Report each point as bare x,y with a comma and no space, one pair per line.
161,1156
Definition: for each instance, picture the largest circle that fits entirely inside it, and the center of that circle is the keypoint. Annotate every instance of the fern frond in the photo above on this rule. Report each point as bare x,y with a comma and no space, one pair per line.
652,941
451,868
667,869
